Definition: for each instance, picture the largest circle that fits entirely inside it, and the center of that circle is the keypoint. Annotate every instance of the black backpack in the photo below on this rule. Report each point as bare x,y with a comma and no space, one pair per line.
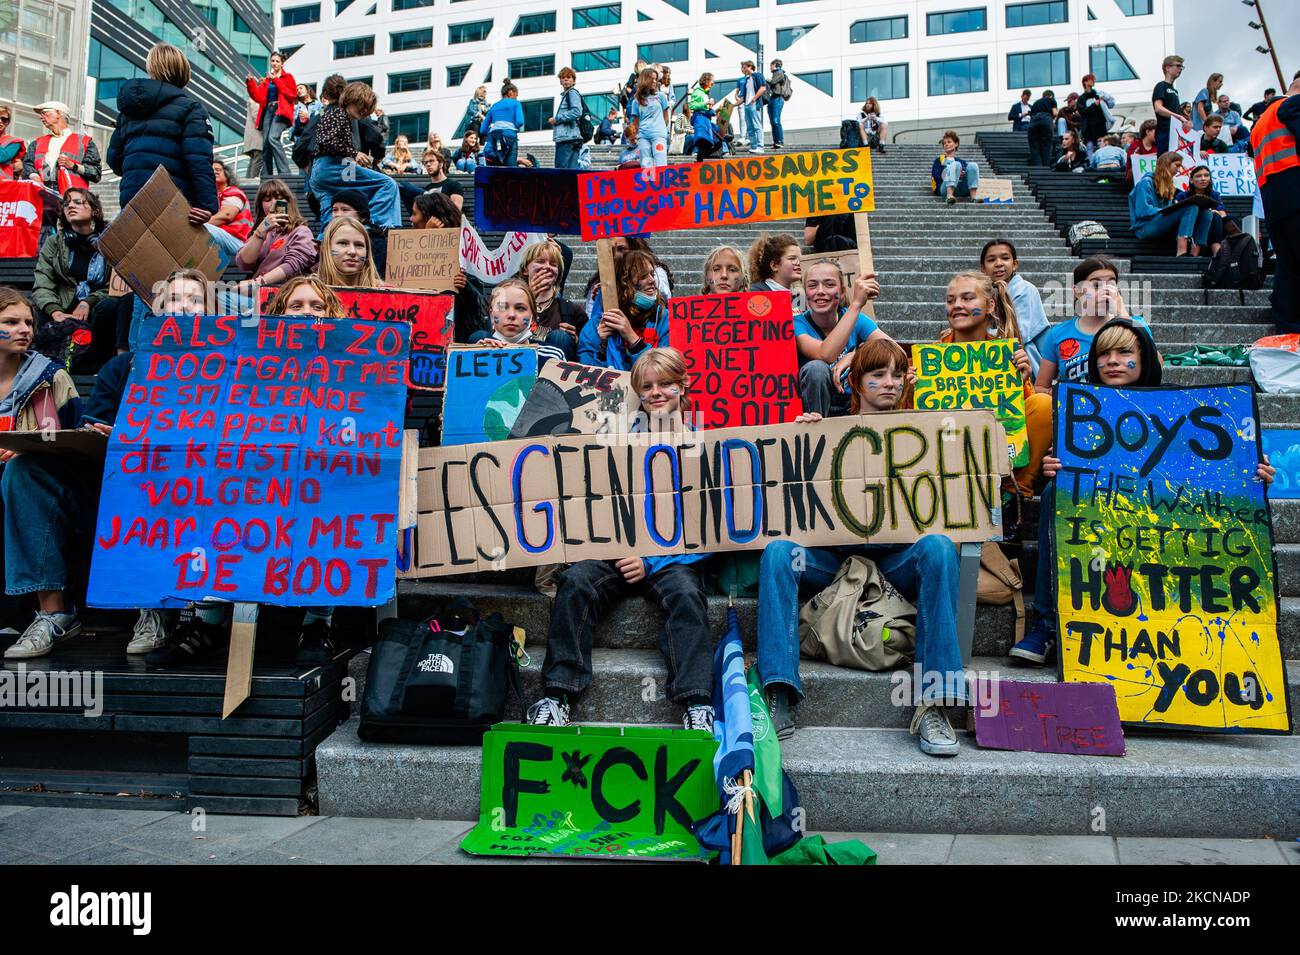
1236,266
586,122
850,134
441,680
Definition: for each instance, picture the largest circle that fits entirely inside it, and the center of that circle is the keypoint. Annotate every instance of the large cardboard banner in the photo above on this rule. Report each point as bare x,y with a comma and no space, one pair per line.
975,375
725,192
153,237
741,356
255,464
1164,556
423,258
489,265
486,389
883,478
511,199
569,398
595,791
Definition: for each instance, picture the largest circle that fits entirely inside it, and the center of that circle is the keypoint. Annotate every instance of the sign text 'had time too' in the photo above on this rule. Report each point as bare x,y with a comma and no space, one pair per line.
255,463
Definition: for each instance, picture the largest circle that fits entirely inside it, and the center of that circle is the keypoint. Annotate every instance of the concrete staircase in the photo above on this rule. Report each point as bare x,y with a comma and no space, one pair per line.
853,760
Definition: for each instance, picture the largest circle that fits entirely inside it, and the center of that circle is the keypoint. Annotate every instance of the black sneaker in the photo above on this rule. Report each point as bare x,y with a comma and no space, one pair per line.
314,644
781,703
190,641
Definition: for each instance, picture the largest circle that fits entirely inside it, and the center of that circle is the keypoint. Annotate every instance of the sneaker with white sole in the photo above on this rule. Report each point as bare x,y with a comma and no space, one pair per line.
698,717
42,634
548,711
937,737
149,632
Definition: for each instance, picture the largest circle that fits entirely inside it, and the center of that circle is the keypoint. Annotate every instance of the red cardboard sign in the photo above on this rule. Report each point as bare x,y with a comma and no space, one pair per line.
740,353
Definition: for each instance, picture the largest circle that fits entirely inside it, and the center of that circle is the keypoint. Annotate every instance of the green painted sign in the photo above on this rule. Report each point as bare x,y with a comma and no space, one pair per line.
606,791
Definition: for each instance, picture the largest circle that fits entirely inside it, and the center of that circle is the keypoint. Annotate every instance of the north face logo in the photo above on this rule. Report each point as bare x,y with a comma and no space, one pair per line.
435,663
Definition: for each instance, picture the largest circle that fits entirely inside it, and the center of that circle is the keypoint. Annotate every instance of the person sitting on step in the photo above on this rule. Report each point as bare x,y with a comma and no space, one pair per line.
952,176
999,261
345,257
925,573
617,337
512,310
589,588
724,271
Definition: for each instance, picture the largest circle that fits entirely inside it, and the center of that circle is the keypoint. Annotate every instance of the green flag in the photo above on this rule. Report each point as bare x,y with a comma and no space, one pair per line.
767,750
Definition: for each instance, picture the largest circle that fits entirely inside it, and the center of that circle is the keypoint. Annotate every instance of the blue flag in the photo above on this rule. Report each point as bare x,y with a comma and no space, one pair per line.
733,727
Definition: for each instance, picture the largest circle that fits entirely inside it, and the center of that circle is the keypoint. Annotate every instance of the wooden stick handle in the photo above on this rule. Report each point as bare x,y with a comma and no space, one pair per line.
866,261
608,280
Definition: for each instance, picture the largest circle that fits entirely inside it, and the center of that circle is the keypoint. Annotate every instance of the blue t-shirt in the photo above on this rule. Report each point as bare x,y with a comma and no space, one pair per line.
652,120
1066,345
863,329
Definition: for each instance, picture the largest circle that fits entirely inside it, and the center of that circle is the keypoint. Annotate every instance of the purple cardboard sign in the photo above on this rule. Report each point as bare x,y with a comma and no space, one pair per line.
1076,718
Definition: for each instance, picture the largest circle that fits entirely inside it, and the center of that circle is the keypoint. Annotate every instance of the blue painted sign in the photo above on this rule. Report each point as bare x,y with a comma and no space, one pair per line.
256,463
1282,445
486,389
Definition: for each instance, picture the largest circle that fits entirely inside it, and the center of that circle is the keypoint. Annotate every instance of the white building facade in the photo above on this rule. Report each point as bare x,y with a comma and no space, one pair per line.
925,60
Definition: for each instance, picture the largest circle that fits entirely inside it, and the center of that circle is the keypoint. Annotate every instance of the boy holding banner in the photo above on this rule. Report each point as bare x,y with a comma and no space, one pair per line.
589,588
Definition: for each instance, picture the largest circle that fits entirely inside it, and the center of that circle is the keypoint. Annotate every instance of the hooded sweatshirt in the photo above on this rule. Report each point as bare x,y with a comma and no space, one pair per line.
161,125
36,373
1150,358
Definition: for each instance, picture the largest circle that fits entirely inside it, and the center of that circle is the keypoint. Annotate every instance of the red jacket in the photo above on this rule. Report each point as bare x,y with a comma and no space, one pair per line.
286,89
11,170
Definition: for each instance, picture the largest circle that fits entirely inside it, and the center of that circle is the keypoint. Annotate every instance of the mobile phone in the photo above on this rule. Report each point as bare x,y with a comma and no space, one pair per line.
281,207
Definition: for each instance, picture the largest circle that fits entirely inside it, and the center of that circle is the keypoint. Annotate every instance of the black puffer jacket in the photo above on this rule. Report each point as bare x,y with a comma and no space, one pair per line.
161,125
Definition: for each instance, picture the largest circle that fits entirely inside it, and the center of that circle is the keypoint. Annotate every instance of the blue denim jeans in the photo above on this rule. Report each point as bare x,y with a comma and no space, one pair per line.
1192,223
952,179
653,151
566,154
817,390
228,246
329,175
505,146
754,125
46,500
774,107
925,573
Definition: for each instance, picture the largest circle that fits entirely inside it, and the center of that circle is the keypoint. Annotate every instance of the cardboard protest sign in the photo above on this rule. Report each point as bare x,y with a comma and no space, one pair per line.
1234,173
725,192
509,198
569,398
1073,718
606,791
81,443
486,389
1282,445
423,258
1164,556
996,191
255,463
153,237
741,357
883,478
491,266
975,375
21,209
1144,166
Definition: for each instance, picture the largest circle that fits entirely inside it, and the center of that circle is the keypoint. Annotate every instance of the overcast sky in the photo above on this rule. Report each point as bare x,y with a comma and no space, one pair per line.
1214,37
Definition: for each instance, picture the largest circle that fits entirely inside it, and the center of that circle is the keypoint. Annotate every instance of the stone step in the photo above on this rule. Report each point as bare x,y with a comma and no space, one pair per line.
896,306
877,780
1171,336
1157,297
634,624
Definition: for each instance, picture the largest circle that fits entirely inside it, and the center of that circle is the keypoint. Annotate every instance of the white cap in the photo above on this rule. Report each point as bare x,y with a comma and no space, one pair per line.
54,104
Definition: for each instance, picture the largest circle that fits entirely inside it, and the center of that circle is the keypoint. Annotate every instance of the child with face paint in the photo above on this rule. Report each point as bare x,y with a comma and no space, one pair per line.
724,272
589,588
345,258
513,314
616,338
1122,355
828,332
1000,263
925,573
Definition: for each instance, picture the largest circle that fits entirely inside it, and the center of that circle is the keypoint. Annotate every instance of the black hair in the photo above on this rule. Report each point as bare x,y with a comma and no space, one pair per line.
435,205
1094,264
996,242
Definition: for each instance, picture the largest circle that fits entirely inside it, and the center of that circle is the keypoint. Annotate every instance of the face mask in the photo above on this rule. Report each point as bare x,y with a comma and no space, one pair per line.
643,301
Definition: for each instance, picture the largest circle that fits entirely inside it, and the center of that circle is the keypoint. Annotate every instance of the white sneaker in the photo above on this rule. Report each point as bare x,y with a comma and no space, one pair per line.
937,737
42,634
698,717
756,149
548,711
148,633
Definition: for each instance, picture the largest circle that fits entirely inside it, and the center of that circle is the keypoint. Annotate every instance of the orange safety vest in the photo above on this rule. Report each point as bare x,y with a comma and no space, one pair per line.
74,147
9,171
1273,144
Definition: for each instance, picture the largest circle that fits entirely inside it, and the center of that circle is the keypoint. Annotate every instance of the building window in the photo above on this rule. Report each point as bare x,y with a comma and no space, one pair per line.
605,15
748,40
410,40
599,104
968,75
606,59
354,46
259,64
873,31
456,74
781,2
882,82
410,82
1037,14
414,126
956,21
341,5
721,6
368,80
823,80
531,66
297,16
683,5
241,25
400,5
287,52
531,23
788,35
669,51
536,113
470,32
1135,8
1109,64
1041,68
